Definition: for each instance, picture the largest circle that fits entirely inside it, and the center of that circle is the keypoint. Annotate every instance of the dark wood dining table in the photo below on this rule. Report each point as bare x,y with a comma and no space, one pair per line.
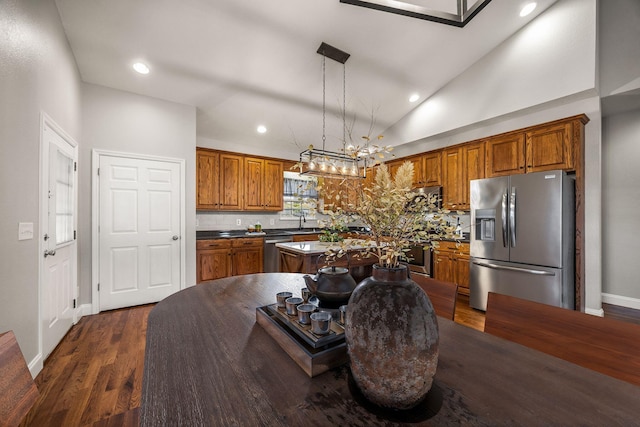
208,363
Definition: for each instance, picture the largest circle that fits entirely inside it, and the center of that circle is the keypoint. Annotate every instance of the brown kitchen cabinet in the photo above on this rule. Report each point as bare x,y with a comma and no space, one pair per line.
432,175
218,258
213,259
247,255
550,147
539,148
263,184
451,264
418,169
505,155
460,165
219,180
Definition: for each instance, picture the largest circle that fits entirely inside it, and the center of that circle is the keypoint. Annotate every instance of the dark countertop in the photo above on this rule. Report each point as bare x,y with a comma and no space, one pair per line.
230,234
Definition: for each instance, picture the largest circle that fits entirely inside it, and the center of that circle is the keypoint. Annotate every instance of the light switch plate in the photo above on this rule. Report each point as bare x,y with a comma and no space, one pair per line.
25,230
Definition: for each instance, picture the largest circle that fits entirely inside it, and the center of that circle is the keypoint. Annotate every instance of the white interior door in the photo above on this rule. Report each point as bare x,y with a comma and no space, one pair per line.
139,230
59,272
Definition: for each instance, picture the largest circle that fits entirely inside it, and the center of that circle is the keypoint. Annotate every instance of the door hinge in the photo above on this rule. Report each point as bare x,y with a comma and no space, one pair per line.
75,166
74,303
98,171
98,287
74,234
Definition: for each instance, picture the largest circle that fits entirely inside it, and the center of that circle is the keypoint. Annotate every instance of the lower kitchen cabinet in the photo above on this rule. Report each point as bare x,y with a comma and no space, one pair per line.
451,264
220,258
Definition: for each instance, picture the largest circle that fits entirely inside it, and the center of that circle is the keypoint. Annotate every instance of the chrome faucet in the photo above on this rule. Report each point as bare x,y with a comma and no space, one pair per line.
301,219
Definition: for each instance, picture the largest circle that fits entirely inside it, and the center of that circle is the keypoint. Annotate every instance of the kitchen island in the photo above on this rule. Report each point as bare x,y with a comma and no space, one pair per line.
307,257
207,362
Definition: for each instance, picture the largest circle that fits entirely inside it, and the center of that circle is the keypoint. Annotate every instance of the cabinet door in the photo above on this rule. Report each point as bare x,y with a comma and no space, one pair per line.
207,192
253,187
443,266
431,172
418,171
273,185
247,260
452,178
230,180
213,264
505,155
549,148
461,273
473,167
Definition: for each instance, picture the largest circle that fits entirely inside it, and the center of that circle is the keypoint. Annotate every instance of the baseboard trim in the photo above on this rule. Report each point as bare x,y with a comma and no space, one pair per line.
594,312
621,301
85,310
36,365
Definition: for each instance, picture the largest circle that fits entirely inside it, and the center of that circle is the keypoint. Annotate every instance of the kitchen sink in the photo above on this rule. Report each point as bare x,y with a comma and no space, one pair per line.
306,231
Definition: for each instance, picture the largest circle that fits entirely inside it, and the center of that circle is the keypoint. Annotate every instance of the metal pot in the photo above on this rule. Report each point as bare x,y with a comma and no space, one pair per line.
332,285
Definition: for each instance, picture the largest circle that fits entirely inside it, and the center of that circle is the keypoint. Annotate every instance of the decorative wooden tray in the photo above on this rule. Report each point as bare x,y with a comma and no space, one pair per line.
304,331
312,353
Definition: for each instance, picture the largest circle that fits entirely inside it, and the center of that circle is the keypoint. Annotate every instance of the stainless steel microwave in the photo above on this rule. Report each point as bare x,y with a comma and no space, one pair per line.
436,190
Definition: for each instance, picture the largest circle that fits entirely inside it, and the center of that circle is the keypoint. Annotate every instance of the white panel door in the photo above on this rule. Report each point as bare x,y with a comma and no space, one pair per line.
139,231
59,274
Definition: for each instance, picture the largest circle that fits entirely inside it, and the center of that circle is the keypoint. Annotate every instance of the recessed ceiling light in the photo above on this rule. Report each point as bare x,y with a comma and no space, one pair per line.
261,129
141,68
414,97
527,9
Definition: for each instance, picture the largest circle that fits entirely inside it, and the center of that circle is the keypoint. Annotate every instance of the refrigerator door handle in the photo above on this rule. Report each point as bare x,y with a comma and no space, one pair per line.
512,217
521,270
505,196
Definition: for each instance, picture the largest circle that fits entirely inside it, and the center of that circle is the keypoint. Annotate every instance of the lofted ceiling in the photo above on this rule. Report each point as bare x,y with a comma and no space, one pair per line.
243,63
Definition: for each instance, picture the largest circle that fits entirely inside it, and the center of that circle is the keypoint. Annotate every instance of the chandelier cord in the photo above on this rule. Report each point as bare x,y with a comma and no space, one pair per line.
344,107
324,84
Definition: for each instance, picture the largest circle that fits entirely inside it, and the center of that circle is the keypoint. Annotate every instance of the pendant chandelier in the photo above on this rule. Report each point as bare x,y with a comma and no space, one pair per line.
333,164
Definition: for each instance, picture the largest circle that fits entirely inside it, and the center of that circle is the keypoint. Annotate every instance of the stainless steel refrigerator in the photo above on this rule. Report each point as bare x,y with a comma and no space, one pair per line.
523,238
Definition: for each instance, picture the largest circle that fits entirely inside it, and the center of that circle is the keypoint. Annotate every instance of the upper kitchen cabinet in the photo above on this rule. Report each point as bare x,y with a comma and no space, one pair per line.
554,145
219,180
431,175
426,168
505,155
418,168
460,165
263,184
550,147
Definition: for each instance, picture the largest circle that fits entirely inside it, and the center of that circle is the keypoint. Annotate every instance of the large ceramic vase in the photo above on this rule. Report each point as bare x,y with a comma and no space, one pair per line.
392,339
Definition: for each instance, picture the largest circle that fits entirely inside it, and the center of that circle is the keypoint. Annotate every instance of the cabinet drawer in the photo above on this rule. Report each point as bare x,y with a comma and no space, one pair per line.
247,242
213,244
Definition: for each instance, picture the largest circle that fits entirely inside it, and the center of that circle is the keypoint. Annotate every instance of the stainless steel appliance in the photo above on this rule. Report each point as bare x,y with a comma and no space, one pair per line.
420,260
523,238
435,190
272,254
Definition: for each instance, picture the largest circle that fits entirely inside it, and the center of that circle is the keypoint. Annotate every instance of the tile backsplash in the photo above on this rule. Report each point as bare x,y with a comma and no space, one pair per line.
210,221
217,221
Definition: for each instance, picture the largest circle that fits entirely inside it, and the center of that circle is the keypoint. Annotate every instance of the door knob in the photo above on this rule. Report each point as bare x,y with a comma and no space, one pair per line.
175,237
47,253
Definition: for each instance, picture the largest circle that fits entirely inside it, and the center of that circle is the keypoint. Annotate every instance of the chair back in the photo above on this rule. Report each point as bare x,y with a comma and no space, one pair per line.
442,294
608,346
18,391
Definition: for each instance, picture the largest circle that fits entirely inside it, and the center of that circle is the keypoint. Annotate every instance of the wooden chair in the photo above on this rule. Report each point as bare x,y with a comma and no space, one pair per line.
609,346
442,294
18,391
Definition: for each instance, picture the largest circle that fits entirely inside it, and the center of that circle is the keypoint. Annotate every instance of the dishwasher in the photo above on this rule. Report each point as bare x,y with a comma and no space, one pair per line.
272,254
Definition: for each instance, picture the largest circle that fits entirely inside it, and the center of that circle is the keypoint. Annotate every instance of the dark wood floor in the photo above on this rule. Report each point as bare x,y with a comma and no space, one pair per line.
94,376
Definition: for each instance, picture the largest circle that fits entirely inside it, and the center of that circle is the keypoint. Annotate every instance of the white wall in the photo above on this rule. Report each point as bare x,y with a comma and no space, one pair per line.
551,58
37,74
114,120
621,209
